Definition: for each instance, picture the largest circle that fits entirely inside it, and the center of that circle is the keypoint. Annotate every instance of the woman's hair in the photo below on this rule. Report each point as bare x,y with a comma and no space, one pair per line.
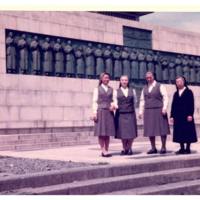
184,80
120,81
153,74
101,77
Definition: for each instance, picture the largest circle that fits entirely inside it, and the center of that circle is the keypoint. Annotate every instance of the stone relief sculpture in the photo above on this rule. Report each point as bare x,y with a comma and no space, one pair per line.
179,70
158,67
47,57
172,72
186,68
117,63
90,61
108,59
35,55
142,65
134,65
192,70
149,59
59,58
29,53
126,62
164,62
23,54
99,60
198,70
69,59
11,64
80,64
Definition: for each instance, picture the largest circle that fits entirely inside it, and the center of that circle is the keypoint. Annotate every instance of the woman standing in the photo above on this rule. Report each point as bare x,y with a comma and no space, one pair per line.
104,101
182,112
125,118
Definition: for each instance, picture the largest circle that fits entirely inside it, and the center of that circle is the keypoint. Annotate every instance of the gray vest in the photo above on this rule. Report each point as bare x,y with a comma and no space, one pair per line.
154,98
125,104
104,98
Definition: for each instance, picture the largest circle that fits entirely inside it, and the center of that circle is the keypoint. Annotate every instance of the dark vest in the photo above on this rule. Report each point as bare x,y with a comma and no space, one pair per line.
154,98
125,104
104,98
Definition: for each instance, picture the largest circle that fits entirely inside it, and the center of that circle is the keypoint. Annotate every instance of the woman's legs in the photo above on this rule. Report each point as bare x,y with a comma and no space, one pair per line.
163,147
187,150
104,142
129,146
182,146
153,145
124,144
125,147
182,149
107,142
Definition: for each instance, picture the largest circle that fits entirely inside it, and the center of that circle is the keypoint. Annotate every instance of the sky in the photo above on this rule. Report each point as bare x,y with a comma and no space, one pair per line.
189,21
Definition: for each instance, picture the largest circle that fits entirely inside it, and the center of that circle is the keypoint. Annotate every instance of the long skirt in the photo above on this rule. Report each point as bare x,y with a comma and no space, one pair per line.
126,125
184,131
104,126
155,123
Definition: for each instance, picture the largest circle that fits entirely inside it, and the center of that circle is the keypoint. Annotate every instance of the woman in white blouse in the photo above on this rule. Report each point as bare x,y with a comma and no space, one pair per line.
104,101
125,118
153,106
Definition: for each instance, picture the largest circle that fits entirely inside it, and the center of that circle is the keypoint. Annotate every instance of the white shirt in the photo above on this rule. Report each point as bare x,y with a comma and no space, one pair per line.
95,98
125,93
163,92
105,87
180,91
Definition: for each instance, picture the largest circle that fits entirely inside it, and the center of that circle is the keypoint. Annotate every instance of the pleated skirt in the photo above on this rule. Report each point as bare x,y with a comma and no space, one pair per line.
155,123
126,125
104,126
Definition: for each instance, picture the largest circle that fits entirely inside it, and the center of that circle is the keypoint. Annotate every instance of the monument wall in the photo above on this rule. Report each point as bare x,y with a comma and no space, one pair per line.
31,103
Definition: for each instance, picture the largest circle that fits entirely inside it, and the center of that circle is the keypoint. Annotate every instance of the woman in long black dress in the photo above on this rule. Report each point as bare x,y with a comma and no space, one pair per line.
125,118
182,118
104,103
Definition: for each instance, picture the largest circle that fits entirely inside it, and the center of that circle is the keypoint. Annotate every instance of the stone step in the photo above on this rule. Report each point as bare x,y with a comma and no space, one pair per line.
109,184
22,137
182,188
133,173
44,140
42,145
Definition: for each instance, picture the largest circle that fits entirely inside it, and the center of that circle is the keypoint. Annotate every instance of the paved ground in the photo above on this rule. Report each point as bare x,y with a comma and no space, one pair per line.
91,153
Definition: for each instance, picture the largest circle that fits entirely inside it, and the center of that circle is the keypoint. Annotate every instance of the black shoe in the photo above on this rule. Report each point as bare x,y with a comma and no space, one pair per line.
187,151
180,151
163,151
152,151
106,155
124,152
130,152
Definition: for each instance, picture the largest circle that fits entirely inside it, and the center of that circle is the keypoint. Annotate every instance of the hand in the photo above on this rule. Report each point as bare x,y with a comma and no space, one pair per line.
164,111
94,117
112,107
172,120
189,118
140,116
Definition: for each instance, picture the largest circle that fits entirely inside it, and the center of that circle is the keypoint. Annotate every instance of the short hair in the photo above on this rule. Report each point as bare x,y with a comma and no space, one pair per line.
184,80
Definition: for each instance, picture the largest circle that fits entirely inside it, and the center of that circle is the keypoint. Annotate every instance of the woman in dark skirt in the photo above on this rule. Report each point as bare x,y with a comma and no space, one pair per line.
182,118
125,118
104,103
153,106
